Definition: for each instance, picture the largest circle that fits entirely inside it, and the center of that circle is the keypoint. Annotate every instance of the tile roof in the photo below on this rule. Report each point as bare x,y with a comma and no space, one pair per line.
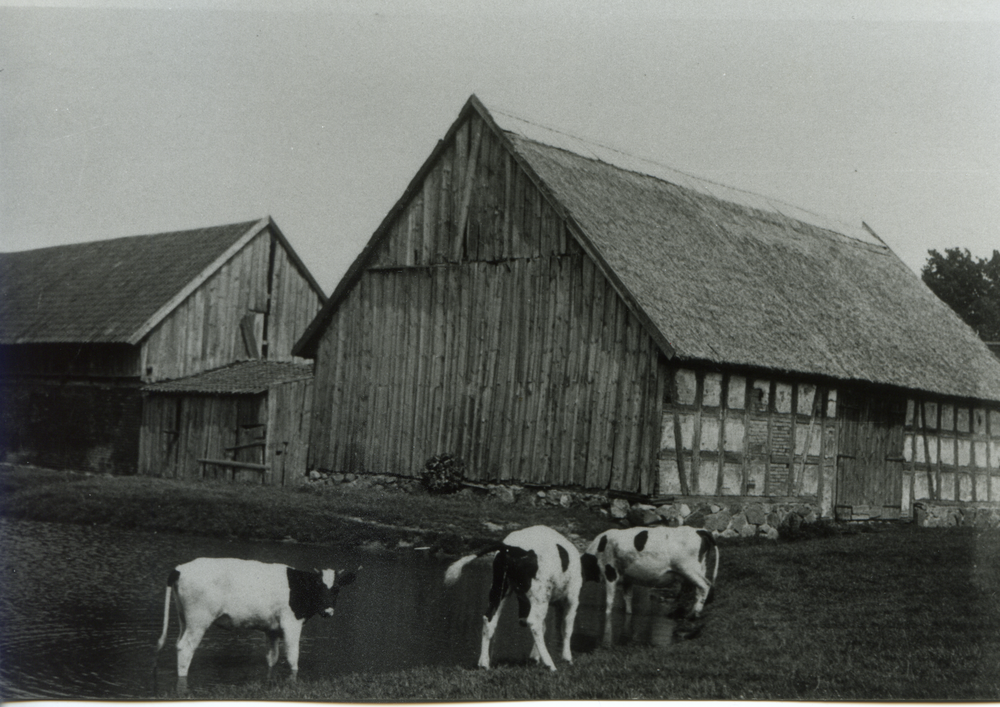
102,291
237,378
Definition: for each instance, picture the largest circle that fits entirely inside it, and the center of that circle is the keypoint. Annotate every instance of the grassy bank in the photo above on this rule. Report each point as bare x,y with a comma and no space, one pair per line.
900,614
309,514
895,613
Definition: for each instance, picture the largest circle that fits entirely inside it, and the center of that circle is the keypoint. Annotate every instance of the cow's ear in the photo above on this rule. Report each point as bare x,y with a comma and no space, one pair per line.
344,578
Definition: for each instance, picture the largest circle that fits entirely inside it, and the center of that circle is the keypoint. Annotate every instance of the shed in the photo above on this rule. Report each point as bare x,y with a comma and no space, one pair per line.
83,326
248,421
559,313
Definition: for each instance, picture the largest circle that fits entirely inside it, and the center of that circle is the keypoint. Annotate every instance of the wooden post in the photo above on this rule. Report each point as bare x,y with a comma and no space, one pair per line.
805,450
927,451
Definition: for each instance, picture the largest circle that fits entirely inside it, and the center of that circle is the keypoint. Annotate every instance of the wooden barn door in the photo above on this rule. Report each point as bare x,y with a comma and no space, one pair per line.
870,458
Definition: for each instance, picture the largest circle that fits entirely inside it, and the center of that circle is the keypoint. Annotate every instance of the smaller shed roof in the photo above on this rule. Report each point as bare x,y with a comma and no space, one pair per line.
244,377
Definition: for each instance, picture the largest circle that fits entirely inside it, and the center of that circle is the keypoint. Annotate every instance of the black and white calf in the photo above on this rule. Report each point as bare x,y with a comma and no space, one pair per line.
649,557
539,566
273,598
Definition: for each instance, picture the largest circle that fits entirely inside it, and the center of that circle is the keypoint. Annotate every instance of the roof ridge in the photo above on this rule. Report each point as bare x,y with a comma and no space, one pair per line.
783,208
113,239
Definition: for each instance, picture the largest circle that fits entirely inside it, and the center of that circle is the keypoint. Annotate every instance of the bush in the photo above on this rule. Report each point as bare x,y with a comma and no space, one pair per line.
443,473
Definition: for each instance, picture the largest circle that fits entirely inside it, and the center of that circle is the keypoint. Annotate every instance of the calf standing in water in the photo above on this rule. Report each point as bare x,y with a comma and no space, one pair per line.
540,566
650,557
276,599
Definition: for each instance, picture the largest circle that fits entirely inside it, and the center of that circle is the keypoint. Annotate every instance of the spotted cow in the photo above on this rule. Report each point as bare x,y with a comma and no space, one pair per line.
649,557
273,598
539,566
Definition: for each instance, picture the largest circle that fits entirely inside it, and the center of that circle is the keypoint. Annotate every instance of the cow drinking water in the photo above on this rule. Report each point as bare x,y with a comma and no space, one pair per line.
273,598
539,566
650,557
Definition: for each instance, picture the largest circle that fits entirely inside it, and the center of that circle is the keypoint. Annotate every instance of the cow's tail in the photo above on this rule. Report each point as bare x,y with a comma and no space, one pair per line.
171,584
454,571
708,544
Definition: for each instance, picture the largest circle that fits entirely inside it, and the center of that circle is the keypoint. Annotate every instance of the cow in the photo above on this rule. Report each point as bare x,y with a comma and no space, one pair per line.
273,598
650,557
539,566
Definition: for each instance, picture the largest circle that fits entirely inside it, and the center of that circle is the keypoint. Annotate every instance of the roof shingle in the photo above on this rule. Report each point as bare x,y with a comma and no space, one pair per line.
237,378
102,291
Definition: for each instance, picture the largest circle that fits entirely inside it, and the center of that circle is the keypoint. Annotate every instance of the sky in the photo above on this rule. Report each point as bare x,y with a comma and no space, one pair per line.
133,117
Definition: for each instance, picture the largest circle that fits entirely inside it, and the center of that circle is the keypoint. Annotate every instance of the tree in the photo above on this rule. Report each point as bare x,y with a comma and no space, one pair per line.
970,286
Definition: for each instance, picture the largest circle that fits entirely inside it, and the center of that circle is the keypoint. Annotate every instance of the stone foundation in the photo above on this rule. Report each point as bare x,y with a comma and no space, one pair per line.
931,514
727,518
724,518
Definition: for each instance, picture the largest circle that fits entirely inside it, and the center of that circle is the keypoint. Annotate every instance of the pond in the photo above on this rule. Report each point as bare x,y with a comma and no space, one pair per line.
81,609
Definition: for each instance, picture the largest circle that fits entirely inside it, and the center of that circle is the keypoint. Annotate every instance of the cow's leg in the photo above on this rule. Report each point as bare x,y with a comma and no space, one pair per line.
291,632
273,650
609,605
490,620
536,623
569,619
627,587
498,594
535,656
187,643
692,571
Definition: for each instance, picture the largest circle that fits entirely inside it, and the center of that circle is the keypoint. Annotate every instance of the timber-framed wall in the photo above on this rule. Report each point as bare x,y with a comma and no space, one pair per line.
749,434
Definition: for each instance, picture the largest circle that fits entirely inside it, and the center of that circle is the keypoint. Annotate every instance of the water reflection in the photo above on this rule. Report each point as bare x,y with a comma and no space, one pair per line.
81,609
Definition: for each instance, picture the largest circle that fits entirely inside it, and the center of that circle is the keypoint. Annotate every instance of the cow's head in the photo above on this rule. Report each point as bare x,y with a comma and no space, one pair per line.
315,592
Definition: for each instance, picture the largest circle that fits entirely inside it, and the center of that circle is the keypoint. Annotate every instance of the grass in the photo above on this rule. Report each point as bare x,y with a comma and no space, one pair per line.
309,514
894,613
901,614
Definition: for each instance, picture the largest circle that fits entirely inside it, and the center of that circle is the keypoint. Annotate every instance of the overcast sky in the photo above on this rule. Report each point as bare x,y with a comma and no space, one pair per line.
131,118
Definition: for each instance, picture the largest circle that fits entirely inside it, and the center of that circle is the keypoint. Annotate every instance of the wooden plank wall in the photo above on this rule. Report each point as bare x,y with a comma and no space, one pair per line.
179,430
869,478
482,329
289,413
294,303
204,331
70,360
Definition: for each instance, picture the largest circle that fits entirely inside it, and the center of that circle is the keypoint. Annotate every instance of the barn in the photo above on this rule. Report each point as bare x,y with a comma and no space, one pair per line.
83,327
561,314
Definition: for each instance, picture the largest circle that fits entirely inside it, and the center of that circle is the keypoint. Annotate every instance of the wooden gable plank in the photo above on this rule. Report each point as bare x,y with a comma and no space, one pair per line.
194,284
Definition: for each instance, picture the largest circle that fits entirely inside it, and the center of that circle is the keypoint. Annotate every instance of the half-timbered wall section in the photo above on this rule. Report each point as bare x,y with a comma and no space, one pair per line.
729,434
951,451
480,328
254,306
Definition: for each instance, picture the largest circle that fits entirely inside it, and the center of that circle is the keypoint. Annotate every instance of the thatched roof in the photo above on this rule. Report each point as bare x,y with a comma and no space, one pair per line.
725,277
732,278
114,291
237,378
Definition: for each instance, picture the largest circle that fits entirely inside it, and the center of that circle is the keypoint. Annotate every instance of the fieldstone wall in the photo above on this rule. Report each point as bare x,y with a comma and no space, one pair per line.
727,518
928,514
